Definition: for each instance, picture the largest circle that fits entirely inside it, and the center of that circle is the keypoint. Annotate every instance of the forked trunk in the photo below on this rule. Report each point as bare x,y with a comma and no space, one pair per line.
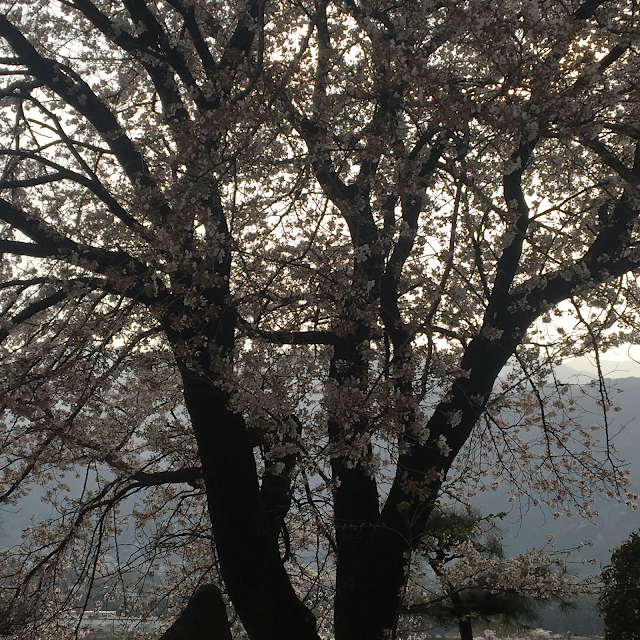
250,562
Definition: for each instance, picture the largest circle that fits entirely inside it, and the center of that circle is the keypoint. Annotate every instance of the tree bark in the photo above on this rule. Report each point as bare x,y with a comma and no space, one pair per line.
464,620
250,562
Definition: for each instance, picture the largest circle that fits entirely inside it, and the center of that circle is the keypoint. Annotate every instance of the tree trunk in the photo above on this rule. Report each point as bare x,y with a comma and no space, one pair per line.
466,631
464,619
250,562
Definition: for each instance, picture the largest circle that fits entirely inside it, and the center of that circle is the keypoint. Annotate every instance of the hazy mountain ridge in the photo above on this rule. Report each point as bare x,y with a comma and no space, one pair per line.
524,527
527,526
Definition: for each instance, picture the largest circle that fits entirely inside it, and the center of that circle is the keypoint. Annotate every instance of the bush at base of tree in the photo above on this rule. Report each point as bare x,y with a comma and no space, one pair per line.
620,597
13,617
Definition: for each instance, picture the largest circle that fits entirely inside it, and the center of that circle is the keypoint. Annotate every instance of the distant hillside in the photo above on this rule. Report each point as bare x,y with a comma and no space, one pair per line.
526,526
15,519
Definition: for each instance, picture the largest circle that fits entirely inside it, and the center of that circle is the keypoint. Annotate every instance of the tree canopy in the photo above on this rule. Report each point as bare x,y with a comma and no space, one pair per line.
291,271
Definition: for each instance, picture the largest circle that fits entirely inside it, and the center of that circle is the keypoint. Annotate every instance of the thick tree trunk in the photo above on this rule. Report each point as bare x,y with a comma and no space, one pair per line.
377,577
250,562
356,507
373,602
466,630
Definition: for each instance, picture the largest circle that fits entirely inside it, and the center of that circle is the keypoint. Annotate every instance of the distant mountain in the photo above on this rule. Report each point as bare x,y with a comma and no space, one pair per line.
526,526
14,519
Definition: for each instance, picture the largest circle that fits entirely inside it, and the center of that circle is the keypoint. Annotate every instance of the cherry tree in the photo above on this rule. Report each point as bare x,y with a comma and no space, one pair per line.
290,272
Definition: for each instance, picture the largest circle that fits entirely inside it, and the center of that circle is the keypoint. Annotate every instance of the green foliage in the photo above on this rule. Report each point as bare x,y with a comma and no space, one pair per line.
450,527
511,608
620,596
478,598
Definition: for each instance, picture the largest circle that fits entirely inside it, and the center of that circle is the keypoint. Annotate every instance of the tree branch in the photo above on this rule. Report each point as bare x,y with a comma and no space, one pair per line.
188,475
587,9
154,36
288,337
611,160
51,243
77,94
92,184
140,48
